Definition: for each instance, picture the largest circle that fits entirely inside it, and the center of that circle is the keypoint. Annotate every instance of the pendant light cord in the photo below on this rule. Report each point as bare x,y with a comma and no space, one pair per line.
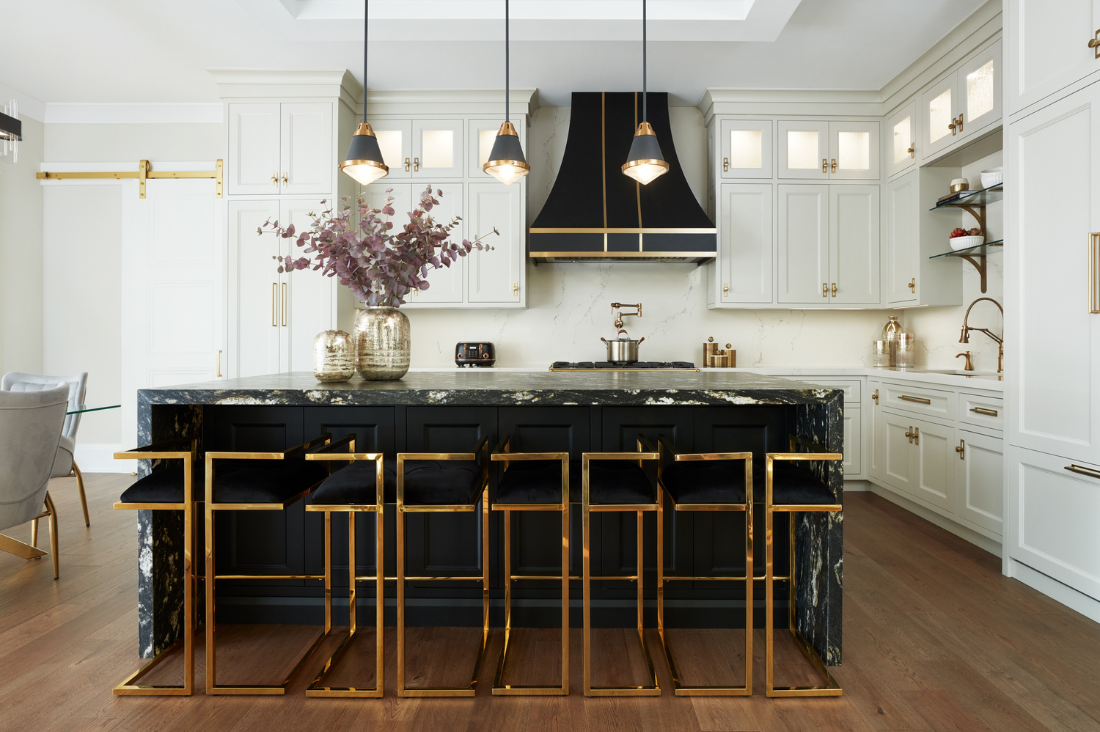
507,70
366,15
643,61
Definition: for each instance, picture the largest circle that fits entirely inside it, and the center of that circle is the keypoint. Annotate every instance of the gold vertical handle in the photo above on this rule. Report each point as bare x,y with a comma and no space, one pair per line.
284,180
916,435
725,165
834,165
824,165
1094,44
406,165
1094,276
725,288
909,434
912,150
952,127
416,165
961,449
834,289
275,304
275,180
824,289
218,372
515,289
284,303
912,285
875,396
960,121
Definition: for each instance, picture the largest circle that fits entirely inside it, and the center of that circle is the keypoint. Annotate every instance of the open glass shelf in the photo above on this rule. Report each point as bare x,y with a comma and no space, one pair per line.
980,249
980,197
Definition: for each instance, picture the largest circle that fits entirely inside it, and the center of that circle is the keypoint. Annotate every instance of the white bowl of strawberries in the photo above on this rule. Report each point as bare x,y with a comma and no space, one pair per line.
963,239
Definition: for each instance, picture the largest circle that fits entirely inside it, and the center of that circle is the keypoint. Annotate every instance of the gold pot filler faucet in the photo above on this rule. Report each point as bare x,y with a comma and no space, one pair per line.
965,337
619,315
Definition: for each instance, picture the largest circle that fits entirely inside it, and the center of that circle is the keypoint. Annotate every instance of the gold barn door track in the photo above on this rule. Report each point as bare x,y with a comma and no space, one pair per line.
143,173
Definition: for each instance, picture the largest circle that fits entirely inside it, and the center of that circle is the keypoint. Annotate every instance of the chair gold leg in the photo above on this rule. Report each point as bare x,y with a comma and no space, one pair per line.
19,549
83,497
34,533
53,536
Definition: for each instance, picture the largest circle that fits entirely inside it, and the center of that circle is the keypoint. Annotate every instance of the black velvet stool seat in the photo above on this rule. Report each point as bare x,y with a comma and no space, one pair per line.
791,487
438,483
708,482
618,482
170,487
357,488
535,481
254,481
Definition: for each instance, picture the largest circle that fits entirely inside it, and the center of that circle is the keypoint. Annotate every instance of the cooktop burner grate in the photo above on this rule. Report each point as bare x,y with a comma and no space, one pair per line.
636,366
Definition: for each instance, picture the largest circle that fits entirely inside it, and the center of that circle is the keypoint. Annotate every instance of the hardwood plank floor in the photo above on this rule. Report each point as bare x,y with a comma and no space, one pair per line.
935,639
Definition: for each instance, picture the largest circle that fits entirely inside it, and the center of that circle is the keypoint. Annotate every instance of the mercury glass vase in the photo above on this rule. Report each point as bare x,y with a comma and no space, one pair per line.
333,356
381,344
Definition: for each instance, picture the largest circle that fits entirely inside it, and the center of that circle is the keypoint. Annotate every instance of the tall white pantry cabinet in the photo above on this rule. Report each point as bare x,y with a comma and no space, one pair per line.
1052,286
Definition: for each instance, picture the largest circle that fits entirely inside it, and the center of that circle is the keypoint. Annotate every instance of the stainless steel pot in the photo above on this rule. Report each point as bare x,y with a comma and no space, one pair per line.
622,350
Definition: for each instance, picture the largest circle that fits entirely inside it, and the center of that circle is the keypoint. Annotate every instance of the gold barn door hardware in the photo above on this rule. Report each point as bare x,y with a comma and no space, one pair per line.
143,173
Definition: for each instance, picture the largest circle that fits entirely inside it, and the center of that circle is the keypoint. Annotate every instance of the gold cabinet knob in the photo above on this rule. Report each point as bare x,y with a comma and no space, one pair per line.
834,165
274,180
952,127
284,180
515,289
416,165
725,165
824,165
960,122
912,150
961,449
912,285
875,396
824,289
1094,44
834,289
406,165
725,288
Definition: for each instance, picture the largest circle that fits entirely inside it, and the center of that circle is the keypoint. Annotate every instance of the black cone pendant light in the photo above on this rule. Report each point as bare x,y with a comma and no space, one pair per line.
645,163
364,161
506,161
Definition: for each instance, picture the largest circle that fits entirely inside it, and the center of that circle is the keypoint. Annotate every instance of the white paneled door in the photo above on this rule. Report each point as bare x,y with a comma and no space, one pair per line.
494,276
173,309
307,297
1048,47
854,246
254,149
444,284
902,238
254,296
746,263
804,244
306,148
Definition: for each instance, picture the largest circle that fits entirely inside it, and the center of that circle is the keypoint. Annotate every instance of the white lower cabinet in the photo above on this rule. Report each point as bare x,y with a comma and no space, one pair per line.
898,464
979,479
1057,503
933,450
853,443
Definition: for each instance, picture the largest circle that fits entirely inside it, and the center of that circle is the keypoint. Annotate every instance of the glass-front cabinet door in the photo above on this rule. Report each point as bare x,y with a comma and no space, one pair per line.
940,116
747,148
395,141
803,149
901,139
853,150
979,87
437,146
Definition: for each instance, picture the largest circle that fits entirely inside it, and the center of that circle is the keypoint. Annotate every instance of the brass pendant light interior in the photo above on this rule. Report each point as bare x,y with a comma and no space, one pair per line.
364,159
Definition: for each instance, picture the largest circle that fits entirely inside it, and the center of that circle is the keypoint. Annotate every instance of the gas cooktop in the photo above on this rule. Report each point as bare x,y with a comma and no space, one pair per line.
636,366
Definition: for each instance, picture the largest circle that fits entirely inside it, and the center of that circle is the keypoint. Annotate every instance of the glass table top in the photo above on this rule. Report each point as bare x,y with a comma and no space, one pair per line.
82,408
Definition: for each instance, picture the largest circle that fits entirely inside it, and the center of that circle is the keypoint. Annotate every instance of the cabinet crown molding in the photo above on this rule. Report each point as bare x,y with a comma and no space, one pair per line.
450,101
238,84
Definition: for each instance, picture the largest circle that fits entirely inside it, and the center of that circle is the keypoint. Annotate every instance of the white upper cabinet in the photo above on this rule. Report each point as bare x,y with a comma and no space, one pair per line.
437,147
277,149
1049,48
804,244
746,243
747,148
854,245
308,298
445,284
901,139
853,150
902,239
940,105
255,299
496,276
254,149
979,83
804,149
395,143
817,150
1051,279
306,148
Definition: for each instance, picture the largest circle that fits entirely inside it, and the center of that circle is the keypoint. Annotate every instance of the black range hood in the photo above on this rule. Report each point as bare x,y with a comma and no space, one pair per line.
596,214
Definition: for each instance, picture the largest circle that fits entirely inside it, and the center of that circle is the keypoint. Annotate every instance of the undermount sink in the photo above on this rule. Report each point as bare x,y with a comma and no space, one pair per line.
960,372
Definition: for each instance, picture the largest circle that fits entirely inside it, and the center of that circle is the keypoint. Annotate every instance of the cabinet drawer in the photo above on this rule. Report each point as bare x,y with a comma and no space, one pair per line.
918,399
852,393
983,411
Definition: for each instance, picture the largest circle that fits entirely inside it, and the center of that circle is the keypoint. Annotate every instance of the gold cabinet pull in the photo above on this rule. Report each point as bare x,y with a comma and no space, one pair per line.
274,180
725,165
912,150
961,449
1094,276
515,289
909,434
824,289
416,165
916,435
406,165
1081,470
284,180
960,121
918,400
218,372
274,304
983,410
912,285
824,165
284,303
725,288
875,396
952,127
834,165
1094,44
834,289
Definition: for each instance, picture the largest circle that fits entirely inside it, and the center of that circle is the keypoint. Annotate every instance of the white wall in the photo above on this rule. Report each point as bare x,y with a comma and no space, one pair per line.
21,254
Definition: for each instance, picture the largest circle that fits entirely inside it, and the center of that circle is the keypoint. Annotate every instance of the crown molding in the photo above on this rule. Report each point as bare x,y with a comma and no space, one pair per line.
451,101
236,84
28,105
143,114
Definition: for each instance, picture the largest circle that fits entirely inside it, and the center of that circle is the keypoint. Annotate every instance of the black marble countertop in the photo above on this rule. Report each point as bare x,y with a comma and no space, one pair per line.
501,388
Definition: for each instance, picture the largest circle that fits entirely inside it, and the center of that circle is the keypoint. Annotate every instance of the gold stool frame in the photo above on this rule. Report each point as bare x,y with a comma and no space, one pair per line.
164,451
645,452
212,686
318,687
678,688
499,687
481,448
830,687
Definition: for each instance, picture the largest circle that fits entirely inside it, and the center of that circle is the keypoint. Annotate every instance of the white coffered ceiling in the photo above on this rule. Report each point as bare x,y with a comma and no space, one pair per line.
158,51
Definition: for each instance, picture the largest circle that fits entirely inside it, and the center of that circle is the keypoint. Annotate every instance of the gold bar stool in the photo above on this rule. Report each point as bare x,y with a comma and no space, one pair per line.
354,489
171,488
610,482
264,488
707,482
791,488
538,481
433,486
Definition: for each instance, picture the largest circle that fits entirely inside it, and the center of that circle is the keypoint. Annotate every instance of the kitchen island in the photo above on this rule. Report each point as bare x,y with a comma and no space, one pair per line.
451,411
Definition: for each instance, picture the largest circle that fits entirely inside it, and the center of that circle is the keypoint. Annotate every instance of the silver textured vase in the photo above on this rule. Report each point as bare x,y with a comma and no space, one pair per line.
333,356
381,344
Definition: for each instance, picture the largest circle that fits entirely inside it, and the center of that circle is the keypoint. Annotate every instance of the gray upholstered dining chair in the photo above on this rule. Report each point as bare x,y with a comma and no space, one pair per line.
64,464
30,431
